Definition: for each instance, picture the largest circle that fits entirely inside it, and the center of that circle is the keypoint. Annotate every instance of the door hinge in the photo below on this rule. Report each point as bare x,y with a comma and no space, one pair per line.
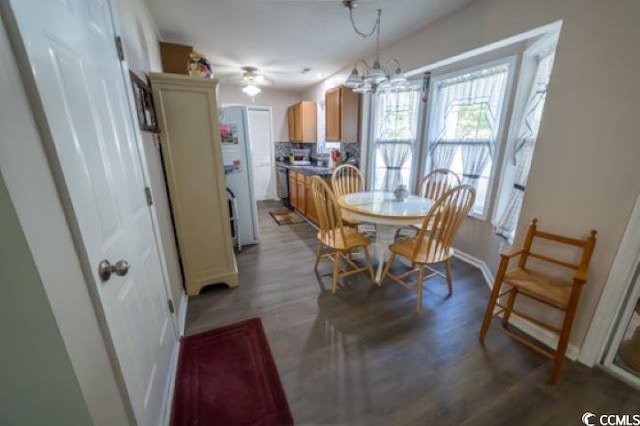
119,48
148,196
172,308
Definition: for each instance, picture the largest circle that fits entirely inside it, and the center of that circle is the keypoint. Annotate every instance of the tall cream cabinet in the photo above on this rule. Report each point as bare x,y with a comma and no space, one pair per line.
192,155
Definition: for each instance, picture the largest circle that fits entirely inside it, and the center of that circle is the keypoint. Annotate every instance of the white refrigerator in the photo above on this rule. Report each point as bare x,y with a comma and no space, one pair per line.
236,155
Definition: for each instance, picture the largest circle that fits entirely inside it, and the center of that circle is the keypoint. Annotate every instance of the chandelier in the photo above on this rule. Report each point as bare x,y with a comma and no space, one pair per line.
365,78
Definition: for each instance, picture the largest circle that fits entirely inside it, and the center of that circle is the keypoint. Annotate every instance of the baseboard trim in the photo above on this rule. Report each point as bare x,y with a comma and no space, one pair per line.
171,384
173,368
182,313
538,333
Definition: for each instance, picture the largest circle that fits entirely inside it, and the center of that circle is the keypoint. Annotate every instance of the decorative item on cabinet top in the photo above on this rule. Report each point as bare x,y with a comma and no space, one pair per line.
199,65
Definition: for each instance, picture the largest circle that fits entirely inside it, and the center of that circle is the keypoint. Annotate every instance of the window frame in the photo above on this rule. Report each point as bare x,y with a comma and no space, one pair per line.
529,60
504,124
371,146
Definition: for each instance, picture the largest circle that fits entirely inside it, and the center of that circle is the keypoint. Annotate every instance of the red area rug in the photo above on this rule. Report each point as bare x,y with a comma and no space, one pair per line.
228,377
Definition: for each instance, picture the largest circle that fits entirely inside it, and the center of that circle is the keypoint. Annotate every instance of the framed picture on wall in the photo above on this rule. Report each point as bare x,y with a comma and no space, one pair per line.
144,104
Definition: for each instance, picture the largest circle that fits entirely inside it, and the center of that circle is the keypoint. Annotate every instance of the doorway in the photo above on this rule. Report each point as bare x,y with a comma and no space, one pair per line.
261,139
623,356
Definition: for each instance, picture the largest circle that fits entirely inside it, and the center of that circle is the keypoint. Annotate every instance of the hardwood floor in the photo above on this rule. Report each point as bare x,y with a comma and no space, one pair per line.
362,357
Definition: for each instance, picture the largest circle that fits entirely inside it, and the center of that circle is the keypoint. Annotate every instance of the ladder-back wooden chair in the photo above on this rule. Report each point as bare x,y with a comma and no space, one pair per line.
525,280
335,240
432,186
432,245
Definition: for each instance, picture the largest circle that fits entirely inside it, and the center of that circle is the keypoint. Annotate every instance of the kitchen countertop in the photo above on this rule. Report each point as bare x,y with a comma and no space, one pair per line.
308,170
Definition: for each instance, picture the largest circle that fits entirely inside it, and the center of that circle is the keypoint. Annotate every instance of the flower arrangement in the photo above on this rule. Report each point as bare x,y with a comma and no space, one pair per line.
335,157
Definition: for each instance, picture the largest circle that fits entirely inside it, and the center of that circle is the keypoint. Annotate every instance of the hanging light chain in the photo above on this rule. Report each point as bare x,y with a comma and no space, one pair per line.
375,27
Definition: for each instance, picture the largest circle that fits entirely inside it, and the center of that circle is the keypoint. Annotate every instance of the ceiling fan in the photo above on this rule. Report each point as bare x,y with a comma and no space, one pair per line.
250,79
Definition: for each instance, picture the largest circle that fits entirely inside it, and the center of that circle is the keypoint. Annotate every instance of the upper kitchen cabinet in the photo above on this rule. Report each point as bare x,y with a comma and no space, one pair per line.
303,122
342,115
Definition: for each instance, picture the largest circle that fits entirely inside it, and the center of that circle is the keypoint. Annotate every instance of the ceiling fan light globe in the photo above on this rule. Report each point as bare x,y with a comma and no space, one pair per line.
251,90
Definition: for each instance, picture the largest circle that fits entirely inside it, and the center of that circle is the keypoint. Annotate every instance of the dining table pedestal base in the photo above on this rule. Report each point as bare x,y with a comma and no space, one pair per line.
385,235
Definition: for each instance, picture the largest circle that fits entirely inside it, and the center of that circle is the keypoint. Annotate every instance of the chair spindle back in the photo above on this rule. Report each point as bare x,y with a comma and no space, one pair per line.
438,182
347,179
329,215
443,220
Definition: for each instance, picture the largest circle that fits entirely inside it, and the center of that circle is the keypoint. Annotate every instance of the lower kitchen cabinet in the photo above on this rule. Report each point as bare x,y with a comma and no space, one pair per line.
300,195
311,212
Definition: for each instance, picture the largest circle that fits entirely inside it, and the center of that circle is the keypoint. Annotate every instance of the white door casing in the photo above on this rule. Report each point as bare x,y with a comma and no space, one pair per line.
71,51
260,138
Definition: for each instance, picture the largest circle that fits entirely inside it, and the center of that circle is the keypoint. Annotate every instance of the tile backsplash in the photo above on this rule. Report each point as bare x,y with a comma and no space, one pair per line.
282,149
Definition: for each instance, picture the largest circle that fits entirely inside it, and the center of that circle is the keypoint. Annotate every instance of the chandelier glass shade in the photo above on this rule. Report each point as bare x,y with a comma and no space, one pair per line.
365,78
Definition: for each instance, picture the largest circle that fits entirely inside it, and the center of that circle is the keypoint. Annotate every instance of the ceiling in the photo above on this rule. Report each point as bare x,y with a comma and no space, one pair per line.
283,37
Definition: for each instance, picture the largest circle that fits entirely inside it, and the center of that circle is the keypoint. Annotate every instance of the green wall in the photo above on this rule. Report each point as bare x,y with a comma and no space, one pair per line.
37,382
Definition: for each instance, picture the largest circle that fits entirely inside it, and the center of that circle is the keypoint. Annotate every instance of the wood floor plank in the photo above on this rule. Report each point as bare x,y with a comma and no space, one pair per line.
362,357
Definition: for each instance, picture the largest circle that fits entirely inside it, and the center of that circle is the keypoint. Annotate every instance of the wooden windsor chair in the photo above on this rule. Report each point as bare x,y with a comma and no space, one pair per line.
335,240
347,179
432,245
432,186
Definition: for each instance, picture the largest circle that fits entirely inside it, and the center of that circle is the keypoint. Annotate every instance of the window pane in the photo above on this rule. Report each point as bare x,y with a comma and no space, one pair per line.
395,129
464,126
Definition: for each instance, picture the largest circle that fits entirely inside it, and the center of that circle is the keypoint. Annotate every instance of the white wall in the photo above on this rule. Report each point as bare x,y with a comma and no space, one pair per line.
142,52
584,173
278,100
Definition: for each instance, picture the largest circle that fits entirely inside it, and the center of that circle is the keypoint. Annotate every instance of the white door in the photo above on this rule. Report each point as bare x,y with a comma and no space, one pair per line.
264,185
71,52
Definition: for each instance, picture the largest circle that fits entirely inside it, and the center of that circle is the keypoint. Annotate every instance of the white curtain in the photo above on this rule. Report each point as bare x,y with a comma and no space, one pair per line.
526,141
466,118
442,155
475,157
395,155
395,133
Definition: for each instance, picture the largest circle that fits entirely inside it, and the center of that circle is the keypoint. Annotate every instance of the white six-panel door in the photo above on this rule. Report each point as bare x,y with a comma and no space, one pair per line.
71,51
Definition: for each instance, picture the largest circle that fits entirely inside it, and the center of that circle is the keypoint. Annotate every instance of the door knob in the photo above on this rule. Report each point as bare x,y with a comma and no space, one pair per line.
105,269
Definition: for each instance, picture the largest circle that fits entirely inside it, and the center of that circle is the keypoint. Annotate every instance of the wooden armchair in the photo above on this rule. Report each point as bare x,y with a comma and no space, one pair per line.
432,245
335,240
526,281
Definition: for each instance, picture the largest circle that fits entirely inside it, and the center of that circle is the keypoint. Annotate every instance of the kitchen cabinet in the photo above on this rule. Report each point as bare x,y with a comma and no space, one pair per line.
293,189
300,195
303,122
192,152
310,211
342,115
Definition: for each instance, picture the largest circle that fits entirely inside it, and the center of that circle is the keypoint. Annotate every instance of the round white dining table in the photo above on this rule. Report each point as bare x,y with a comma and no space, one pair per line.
382,209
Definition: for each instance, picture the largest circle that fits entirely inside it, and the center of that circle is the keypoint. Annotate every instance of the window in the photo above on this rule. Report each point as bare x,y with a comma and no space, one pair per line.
394,138
464,127
525,144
